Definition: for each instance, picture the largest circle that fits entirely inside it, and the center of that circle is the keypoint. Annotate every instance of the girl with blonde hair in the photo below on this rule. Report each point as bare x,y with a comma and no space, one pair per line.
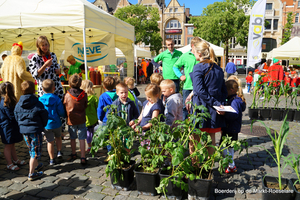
90,111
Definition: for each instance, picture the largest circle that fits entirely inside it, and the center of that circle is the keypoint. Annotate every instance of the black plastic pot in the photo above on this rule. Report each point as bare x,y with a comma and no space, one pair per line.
274,194
297,193
128,176
253,113
199,188
297,116
276,114
265,113
172,190
290,114
146,182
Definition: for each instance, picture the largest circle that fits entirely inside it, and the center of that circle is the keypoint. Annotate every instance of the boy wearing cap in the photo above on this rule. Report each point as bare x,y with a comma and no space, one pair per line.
249,80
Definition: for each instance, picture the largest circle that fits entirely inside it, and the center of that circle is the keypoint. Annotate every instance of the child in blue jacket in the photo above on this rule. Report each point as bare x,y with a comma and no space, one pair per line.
107,98
55,109
32,118
233,120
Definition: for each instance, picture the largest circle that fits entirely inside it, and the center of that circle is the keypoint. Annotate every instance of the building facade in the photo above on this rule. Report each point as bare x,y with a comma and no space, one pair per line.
173,21
294,7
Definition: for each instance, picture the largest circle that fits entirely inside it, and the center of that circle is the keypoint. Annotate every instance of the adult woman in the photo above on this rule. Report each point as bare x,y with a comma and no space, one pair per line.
208,88
43,65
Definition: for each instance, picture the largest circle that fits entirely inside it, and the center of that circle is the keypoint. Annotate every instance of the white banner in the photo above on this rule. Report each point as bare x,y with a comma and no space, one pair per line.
98,53
255,36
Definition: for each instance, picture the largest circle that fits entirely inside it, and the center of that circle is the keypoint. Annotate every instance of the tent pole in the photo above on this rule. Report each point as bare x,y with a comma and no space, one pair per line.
85,61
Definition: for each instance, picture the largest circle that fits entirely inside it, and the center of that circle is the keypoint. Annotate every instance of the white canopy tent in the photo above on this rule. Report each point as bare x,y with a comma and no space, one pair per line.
291,49
26,20
219,51
138,52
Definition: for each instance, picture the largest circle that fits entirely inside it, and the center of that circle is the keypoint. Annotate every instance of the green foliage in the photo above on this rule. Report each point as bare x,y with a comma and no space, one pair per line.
144,19
293,161
267,95
278,141
294,96
222,21
286,92
277,94
152,155
287,30
257,93
114,134
198,164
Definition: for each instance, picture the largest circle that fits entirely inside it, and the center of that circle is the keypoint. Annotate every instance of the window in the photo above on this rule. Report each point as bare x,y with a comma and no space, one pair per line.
297,18
176,38
298,3
275,24
189,40
269,6
176,10
170,10
190,30
268,27
173,24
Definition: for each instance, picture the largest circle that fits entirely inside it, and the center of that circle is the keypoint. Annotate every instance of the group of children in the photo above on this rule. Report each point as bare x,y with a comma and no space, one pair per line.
35,117
289,78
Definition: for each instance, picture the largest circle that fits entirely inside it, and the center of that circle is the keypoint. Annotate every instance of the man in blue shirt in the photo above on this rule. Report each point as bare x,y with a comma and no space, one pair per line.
230,68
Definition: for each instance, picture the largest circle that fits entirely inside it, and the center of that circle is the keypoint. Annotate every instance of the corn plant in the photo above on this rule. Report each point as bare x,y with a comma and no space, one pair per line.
278,141
293,161
286,92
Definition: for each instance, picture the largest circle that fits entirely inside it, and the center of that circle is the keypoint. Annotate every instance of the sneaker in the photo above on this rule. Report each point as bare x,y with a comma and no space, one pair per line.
231,170
52,162
59,154
39,167
35,176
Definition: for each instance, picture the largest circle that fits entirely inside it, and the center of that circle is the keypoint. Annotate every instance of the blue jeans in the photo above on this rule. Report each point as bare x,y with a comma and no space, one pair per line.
249,87
177,84
185,94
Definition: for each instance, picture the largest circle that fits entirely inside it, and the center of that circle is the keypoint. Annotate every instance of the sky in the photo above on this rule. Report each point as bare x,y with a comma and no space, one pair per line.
196,6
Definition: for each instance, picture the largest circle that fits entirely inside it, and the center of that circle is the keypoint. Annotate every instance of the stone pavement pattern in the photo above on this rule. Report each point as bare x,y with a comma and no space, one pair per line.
71,180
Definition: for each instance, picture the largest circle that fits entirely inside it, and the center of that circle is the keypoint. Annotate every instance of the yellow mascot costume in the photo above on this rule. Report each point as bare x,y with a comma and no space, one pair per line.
14,69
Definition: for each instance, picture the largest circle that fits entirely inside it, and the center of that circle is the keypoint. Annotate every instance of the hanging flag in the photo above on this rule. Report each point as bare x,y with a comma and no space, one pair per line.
255,36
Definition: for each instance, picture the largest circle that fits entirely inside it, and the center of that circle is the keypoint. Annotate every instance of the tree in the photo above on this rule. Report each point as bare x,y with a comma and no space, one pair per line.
222,21
287,31
144,19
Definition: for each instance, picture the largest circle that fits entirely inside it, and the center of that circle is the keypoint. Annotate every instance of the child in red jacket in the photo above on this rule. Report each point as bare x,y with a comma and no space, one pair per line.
294,79
287,79
249,80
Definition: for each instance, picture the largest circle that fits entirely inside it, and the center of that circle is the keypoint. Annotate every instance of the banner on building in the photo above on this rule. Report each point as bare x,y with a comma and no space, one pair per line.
101,52
255,36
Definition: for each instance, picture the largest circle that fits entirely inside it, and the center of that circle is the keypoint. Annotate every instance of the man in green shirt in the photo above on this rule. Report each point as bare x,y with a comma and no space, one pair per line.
113,68
168,58
75,66
125,64
188,61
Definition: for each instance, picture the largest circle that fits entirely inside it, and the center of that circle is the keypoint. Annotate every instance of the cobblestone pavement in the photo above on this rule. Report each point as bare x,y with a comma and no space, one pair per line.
71,180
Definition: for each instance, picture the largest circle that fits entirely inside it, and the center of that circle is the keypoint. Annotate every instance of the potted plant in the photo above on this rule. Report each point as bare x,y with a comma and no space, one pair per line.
274,185
257,93
265,112
276,113
198,165
294,161
152,156
287,93
297,103
119,167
